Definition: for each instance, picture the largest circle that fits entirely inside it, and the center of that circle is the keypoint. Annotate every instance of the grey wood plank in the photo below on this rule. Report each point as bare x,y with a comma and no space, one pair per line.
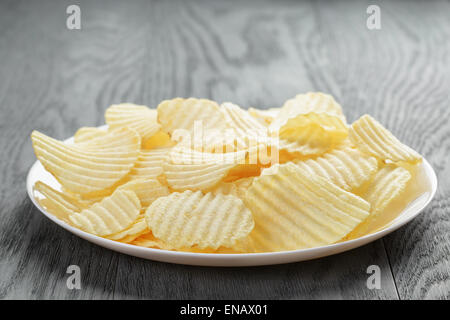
420,252
57,80
401,75
339,277
51,83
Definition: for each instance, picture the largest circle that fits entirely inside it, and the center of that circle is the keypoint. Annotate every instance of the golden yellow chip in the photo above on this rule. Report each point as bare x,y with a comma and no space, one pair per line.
348,168
111,215
372,138
193,219
146,190
313,120
187,169
149,164
138,228
85,134
148,240
312,141
158,140
57,203
387,185
306,104
182,113
136,117
295,210
331,128
242,171
86,170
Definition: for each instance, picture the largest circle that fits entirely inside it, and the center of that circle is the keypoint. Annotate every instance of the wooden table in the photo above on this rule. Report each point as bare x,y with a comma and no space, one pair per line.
252,53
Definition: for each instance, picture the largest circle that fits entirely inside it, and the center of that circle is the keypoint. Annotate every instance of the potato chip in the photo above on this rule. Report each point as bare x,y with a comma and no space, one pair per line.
236,188
348,168
59,204
112,215
311,142
242,171
136,117
111,140
85,134
307,104
205,220
314,120
331,128
295,210
187,169
182,113
148,240
83,169
372,138
146,190
149,164
158,140
265,116
387,185
213,141
239,119
138,228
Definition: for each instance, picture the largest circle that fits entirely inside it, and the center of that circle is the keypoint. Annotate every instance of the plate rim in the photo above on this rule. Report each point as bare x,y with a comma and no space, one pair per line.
235,259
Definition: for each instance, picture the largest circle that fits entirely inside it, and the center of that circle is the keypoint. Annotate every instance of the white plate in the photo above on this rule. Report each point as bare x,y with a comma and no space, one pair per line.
37,172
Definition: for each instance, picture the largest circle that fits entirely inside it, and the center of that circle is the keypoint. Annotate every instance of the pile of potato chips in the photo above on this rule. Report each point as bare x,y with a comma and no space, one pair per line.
196,176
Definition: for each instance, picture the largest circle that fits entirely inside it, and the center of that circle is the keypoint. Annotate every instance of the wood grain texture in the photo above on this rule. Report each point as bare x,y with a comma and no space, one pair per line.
254,54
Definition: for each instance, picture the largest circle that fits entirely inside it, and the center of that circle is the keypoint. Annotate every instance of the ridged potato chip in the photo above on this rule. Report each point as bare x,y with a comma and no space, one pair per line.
182,113
242,171
159,140
138,228
148,240
213,141
136,117
111,215
111,140
150,164
59,204
313,119
295,210
85,134
187,169
306,104
312,142
146,190
236,188
372,138
331,128
348,168
195,219
387,185
85,169
241,121
265,116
